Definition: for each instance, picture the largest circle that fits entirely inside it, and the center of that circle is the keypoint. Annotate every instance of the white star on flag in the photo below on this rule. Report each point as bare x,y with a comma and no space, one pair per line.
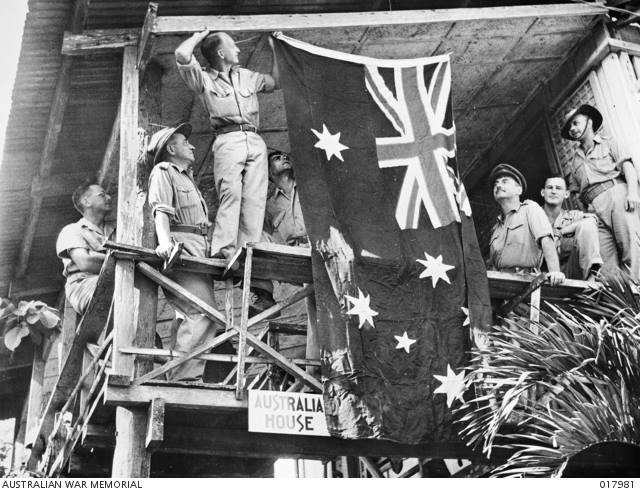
452,385
361,309
329,143
435,269
404,342
466,313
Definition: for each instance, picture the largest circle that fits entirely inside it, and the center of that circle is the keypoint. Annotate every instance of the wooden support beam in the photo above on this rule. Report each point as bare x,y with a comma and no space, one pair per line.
271,262
144,44
350,467
129,216
98,41
155,425
279,22
130,457
244,320
213,357
187,398
34,401
243,444
219,340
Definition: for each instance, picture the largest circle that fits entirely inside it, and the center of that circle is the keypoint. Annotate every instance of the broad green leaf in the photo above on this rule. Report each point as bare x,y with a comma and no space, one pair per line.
15,335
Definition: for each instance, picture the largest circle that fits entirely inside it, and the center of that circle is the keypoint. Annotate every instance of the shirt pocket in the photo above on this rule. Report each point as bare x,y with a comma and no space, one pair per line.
219,101
186,197
516,234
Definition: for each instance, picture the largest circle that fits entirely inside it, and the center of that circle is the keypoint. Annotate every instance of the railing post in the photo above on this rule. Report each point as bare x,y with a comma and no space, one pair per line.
244,321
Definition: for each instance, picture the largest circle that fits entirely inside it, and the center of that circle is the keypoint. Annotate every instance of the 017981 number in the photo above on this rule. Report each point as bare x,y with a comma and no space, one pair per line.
616,484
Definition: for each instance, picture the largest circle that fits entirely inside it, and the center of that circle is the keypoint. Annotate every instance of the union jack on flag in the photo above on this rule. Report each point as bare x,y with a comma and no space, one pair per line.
418,111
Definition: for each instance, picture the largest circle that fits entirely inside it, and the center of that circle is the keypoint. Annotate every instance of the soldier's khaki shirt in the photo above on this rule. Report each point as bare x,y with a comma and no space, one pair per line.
283,216
173,191
598,165
229,102
82,234
515,239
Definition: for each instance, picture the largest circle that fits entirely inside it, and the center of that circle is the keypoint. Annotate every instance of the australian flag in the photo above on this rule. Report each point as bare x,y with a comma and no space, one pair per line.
400,283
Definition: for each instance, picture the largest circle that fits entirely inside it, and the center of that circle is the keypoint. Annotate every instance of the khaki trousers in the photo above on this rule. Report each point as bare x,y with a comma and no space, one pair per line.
618,230
79,292
195,329
580,251
241,177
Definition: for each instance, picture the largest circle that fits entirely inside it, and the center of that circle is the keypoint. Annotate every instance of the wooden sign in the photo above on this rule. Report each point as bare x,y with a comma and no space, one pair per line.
279,412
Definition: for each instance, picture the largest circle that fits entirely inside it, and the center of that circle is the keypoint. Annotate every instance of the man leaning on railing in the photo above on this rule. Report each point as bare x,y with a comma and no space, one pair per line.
80,245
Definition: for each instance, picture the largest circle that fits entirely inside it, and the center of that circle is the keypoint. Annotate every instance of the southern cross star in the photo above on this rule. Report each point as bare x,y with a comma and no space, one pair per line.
329,143
435,269
404,342
361,309
452,385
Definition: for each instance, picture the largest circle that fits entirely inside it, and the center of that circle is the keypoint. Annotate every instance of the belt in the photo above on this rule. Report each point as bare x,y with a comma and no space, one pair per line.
590,194
202,229
235,128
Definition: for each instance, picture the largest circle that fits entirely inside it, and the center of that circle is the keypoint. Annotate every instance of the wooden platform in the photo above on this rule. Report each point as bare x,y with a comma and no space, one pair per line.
293,264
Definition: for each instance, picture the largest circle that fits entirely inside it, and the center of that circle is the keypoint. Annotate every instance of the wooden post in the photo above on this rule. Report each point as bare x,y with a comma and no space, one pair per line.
130,457
228,303
155,425
69,326
244,319
34,400
350,467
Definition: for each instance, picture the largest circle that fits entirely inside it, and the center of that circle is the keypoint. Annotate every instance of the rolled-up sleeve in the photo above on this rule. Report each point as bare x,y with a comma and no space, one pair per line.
192,74
161,192
69,238
538,222
618,153
262,82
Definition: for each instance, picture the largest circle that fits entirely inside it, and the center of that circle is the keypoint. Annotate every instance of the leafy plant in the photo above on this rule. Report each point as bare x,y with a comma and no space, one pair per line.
545,391
34,318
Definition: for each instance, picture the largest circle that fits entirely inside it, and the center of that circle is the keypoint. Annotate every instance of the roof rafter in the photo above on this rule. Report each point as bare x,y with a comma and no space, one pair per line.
173,25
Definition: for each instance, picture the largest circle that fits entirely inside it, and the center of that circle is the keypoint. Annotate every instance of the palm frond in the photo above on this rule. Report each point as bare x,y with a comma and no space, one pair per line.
550,389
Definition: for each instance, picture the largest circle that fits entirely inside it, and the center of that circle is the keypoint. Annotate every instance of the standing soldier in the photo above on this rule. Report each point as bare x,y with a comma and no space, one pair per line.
230,95
180,215
598,173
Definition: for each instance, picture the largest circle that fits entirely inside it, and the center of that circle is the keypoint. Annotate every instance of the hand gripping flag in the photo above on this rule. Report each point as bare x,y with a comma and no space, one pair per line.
399,279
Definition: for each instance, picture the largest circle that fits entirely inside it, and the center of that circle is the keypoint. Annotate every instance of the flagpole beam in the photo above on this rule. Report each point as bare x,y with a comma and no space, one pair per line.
173,25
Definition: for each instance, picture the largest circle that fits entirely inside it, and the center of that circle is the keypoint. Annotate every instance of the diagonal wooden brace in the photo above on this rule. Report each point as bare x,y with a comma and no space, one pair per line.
215,315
